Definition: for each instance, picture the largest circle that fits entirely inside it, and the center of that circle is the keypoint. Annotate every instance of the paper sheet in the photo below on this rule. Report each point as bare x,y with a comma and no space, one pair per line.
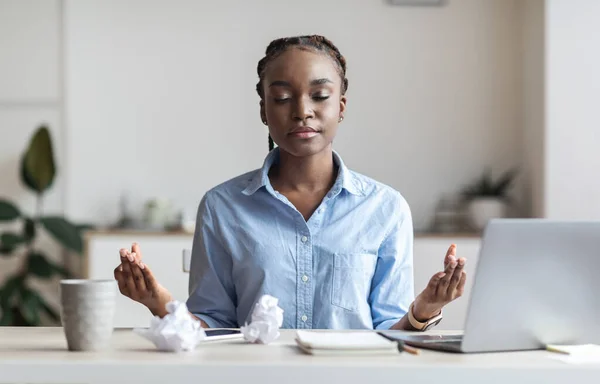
576,354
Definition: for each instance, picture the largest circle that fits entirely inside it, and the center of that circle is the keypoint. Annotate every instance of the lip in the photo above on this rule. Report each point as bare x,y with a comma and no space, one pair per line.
304,132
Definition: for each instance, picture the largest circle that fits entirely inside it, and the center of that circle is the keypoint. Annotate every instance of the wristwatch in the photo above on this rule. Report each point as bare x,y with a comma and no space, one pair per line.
419,326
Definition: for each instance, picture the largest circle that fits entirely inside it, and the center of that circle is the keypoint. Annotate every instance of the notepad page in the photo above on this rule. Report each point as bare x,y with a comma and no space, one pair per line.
576,354
344,340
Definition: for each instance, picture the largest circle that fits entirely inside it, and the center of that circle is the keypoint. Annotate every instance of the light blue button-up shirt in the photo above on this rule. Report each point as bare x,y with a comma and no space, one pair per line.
349,266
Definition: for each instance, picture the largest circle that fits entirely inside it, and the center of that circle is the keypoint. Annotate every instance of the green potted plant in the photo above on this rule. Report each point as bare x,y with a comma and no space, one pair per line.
487,198
20,304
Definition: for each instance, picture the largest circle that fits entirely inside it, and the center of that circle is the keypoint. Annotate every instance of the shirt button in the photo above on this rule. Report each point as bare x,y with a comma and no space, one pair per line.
305,278
304,239
304,318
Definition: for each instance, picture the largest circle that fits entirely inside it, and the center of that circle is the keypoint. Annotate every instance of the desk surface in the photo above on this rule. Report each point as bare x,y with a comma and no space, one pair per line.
36,355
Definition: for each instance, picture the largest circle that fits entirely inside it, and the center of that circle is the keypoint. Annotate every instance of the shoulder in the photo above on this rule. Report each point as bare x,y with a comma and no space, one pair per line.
228,190
385,194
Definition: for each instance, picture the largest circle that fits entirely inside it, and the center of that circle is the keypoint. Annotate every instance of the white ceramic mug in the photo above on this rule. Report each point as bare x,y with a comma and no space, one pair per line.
87,313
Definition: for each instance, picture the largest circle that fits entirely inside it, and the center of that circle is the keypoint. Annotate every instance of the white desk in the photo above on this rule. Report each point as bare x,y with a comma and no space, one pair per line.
39,355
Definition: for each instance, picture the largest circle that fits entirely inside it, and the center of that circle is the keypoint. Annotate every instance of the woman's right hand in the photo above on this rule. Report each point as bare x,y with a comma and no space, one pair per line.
137,282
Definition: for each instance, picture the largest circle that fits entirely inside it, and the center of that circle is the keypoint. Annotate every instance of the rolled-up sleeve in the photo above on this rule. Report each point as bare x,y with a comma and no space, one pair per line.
211,289
392,287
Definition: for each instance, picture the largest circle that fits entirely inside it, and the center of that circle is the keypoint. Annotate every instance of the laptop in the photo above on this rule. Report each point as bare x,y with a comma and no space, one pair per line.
537,282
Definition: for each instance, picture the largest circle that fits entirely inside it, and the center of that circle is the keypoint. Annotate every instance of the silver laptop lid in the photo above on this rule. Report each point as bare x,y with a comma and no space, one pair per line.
537,282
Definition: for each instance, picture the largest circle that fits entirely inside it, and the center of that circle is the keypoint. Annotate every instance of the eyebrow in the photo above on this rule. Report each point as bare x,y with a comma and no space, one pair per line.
281,83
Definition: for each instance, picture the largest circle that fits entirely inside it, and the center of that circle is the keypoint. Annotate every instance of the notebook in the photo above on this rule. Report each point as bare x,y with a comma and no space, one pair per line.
334,343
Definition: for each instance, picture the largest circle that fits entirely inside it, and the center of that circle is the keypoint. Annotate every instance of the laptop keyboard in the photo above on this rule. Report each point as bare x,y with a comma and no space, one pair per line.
433,338
444,339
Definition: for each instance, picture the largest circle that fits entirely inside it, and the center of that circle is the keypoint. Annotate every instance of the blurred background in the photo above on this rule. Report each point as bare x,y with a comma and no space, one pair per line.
119,115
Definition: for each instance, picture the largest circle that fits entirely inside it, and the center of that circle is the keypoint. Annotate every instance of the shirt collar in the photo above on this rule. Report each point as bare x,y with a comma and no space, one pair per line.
345,178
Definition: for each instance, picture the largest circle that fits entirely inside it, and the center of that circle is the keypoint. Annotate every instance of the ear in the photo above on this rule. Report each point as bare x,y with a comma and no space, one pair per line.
263,114
343,102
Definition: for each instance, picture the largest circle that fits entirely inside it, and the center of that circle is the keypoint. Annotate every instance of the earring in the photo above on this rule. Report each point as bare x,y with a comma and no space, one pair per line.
341,118
264,122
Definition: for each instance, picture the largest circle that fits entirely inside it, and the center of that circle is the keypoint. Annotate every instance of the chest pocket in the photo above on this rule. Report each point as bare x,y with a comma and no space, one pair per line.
351,283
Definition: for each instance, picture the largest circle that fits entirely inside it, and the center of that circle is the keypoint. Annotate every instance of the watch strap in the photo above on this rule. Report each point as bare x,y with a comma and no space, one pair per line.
422,326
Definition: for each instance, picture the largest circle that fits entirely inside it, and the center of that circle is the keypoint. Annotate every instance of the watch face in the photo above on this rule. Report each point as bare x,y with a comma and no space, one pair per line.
432,324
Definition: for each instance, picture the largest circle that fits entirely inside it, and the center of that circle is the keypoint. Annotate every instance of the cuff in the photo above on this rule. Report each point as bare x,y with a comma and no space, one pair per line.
387,324
212,323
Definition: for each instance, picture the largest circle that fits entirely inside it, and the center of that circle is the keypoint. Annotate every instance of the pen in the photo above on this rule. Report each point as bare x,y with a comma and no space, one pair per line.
402,347
406,348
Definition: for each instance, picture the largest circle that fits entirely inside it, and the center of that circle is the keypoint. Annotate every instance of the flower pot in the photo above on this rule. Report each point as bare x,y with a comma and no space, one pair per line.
483,209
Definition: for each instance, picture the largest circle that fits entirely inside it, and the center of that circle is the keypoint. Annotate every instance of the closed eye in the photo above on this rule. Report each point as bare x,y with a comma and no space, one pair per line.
321,97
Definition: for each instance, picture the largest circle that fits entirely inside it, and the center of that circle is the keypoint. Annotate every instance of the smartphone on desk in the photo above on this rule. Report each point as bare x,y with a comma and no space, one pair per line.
222,334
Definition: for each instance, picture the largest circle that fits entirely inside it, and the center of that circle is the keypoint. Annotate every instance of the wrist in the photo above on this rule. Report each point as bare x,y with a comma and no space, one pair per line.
425,322
159,308
423,311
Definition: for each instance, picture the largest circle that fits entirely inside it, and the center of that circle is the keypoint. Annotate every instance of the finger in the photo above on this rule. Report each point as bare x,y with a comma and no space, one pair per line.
445,281
135,247
121,281
151,282
435,281
456,276
124,253
128,280
450,255
138,277
460,289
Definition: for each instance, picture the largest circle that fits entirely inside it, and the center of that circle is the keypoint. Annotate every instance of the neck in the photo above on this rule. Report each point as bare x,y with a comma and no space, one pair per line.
304,174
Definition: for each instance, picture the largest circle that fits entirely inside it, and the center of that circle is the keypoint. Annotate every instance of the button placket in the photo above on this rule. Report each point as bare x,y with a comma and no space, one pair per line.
304,270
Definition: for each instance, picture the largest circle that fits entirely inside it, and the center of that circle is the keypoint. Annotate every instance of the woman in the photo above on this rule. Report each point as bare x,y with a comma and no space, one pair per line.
334,246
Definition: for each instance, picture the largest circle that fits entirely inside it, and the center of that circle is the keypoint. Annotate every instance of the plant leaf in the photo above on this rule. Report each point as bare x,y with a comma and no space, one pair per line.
8,211
26,177
84,227
49,310
29,231
504,182
60,270
5,251
39,266
38,169
30,306
11,240
63,231
10,287
7,316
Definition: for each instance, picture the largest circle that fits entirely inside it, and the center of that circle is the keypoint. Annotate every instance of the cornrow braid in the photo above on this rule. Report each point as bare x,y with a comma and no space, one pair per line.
271,143
307,42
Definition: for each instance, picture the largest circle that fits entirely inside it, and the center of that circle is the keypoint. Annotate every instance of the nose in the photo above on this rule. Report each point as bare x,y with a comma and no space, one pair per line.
302,109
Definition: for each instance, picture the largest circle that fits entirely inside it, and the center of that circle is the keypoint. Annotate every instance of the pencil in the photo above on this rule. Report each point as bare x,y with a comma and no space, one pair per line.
410,349
400,344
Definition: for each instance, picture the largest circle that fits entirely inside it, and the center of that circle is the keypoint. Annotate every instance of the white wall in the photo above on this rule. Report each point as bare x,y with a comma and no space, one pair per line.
29,40
572,118
29,90
161,101
30,95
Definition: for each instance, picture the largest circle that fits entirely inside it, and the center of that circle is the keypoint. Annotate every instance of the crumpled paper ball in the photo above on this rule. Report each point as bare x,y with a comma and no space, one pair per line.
267,318
177,331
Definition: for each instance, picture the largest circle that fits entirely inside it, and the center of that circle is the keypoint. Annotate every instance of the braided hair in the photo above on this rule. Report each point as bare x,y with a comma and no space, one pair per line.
308,42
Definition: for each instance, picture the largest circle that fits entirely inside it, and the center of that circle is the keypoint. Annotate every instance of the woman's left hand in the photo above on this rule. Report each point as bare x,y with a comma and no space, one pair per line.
443,287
